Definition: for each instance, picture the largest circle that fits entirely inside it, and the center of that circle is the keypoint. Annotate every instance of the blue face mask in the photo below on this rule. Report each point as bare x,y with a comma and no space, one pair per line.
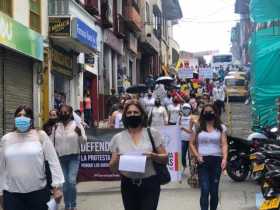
22,123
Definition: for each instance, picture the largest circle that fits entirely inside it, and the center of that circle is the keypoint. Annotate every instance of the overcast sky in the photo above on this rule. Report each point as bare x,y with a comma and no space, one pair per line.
206,25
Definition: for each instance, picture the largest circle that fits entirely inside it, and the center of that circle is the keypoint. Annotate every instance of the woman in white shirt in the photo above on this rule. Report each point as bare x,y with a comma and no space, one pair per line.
174,111
158,116
67,137
23,152
116,119
209,146
186,123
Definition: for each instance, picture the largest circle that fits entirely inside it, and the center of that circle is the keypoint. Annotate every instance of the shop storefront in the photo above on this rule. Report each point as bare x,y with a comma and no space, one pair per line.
62,72
113,54
21,50
73,77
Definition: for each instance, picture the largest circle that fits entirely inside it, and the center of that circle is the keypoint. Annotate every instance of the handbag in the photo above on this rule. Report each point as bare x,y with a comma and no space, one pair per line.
150,120
161,169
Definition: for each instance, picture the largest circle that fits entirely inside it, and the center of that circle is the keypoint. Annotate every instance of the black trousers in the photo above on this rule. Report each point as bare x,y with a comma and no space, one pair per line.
36,200
140,194
209,173
185,146
220,105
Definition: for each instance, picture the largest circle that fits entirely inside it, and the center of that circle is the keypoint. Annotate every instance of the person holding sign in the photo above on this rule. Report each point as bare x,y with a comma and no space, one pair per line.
209,146
140,185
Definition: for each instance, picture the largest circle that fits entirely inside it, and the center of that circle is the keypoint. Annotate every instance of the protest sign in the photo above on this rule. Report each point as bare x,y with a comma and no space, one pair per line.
205,73
172,144
185,73
95,154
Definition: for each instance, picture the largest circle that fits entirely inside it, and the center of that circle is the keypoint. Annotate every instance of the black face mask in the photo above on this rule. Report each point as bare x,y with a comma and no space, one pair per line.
53,121
64,117
157,103
133,121
209,116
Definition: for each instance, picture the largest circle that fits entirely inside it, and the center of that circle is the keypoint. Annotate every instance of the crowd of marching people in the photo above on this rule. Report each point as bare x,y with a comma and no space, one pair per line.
36,164
196,108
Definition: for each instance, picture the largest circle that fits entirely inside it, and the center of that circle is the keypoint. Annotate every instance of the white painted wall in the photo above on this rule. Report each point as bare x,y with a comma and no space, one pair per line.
44,18
21,11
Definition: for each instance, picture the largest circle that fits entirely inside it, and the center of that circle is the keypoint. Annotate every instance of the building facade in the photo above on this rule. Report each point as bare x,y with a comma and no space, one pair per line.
54,52
241,33
21,57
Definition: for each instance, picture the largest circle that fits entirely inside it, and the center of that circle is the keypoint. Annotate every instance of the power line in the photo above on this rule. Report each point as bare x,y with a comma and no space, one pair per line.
212,22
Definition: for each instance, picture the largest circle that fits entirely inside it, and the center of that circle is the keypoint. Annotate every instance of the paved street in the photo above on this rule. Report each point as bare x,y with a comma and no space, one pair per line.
234,196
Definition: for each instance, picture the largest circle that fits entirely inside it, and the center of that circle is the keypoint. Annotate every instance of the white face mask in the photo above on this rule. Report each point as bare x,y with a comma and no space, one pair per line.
186,111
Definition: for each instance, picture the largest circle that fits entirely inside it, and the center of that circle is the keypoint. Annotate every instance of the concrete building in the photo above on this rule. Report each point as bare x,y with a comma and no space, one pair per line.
22,35
241,33
75,45
157,42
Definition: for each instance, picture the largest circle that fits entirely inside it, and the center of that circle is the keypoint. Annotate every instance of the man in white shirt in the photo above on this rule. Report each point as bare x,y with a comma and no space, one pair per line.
219,97
149,102
168,99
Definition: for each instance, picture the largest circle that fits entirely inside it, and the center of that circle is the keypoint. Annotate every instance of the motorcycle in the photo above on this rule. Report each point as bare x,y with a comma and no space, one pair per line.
239,164
271,184
242,158
264,133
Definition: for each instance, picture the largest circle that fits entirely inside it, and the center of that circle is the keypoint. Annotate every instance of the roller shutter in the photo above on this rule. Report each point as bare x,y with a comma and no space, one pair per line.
1,92
18,85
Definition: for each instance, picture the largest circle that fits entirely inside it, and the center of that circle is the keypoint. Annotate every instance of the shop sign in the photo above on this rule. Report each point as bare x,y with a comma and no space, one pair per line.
20,38
90,59
133,43
96,155
59,26
111,40
62,63
84,34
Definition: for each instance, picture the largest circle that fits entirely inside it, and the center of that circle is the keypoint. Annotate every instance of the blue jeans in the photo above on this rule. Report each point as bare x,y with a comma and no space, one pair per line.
185,146
209,173
70,167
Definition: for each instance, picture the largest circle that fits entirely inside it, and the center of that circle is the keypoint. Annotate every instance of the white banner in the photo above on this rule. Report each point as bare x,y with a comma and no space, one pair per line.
173,146
185,73
205,73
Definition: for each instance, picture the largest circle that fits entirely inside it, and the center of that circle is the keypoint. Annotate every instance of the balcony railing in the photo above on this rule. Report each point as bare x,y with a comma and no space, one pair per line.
133,17
58,7
62,7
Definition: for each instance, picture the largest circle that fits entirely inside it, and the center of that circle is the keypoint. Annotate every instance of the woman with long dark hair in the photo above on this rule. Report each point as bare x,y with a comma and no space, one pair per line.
139,190
23,153
209,146
67,137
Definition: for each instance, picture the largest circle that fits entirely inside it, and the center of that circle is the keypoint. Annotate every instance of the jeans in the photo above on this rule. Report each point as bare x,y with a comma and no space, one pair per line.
36,200
70,167
209,173
142,197
88,116
185,146
220,105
